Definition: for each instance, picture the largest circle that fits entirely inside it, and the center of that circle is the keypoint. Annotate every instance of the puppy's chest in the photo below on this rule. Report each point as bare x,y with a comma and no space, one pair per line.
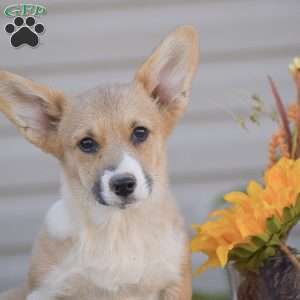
132,260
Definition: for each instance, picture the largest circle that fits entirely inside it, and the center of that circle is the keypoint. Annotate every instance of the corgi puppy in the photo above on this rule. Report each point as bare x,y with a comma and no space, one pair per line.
116,233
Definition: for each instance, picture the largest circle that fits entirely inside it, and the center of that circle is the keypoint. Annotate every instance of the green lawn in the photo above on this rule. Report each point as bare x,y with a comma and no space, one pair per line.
210,297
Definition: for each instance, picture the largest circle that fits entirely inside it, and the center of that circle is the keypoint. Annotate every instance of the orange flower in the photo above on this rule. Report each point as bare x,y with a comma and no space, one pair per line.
248,213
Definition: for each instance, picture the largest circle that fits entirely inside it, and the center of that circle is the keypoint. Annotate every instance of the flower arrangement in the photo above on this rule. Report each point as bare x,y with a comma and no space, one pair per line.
256,224
252,232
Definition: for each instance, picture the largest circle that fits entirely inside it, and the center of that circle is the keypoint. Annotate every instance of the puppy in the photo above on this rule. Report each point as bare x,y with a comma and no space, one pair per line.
116,233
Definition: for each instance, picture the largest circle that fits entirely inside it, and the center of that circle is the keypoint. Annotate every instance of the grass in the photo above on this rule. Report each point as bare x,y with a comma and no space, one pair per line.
210,297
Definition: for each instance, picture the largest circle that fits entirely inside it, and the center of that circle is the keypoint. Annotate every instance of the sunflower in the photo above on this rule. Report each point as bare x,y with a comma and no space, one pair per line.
255,223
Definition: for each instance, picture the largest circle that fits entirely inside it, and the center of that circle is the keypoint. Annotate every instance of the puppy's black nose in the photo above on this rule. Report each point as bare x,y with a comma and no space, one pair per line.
123,185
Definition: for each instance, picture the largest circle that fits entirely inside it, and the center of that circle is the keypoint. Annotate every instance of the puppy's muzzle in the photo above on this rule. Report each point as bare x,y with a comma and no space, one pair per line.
123,185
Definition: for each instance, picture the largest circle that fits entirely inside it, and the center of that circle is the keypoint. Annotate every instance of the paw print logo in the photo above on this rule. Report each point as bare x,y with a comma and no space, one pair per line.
24,31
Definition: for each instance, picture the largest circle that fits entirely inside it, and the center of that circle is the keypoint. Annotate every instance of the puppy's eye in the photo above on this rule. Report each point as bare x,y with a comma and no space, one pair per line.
139,135
88,145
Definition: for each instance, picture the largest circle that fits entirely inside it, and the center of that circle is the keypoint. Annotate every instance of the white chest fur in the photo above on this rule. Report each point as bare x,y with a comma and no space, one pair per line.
134,250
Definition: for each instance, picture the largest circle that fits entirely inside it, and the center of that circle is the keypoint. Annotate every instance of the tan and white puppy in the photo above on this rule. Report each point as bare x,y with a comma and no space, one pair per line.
116,233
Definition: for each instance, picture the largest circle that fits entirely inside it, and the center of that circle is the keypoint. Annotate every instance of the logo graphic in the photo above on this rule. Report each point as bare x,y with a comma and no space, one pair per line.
24,30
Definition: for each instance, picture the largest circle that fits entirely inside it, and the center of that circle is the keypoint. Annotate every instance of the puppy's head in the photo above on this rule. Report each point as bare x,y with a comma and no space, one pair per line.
110,140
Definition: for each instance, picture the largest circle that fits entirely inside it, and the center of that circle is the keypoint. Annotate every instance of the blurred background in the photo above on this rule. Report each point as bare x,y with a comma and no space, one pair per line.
92,42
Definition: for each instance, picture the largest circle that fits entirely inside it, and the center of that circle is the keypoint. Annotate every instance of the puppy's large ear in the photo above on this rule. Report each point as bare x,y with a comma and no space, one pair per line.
34,109
167,75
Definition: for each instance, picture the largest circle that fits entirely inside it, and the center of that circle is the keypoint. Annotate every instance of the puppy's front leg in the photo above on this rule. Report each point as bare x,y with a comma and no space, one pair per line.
183,289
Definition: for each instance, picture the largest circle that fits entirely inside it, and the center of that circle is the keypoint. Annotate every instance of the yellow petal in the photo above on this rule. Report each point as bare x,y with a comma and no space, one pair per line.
242,227
222,253
254,189
235,197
